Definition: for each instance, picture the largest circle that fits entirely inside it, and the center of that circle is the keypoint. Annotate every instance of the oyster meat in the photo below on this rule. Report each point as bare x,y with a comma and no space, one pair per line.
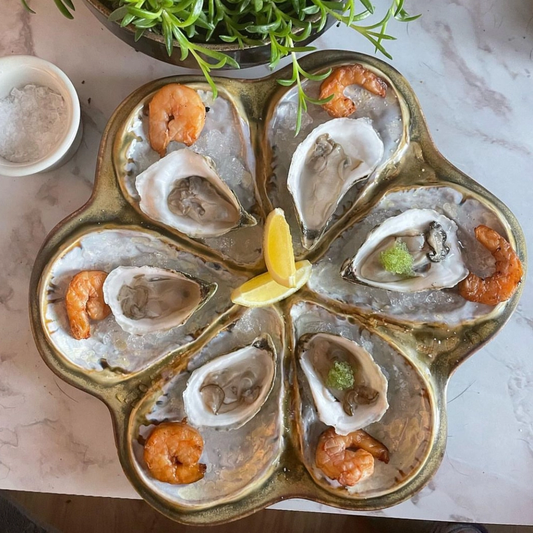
228,391
148,299
429,239
184,191
354,398
332,158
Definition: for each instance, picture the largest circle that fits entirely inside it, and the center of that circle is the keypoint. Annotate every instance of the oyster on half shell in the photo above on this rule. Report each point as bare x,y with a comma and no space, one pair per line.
229,390
331,159
431,240
184,191
362,401
149,299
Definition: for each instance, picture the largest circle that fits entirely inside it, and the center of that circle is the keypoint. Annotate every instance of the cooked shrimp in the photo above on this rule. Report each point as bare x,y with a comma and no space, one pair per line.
505,280
177,113
172,452
349,459
85,300
342,77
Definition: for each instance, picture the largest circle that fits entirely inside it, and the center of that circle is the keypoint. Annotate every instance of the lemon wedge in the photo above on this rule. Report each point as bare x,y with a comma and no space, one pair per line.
277,246
263,290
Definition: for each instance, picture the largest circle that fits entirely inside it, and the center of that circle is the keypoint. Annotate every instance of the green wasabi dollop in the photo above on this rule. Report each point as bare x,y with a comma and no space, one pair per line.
397,259
340,376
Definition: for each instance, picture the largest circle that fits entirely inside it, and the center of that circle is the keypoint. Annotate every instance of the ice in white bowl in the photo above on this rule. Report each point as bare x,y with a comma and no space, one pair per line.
19,71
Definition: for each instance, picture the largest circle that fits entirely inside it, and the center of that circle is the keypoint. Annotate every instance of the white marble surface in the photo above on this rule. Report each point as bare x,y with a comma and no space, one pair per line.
470,62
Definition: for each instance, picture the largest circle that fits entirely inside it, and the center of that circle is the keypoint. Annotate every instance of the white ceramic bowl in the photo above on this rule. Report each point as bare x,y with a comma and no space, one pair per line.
18,71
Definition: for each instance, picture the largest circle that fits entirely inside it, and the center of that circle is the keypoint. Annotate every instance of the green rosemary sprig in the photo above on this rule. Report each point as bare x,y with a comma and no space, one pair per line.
297,73
188,24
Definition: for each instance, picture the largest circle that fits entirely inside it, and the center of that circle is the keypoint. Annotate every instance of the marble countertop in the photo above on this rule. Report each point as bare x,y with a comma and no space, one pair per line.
470,62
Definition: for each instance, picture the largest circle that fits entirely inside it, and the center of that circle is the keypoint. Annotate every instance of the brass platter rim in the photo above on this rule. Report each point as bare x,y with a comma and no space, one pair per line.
123,396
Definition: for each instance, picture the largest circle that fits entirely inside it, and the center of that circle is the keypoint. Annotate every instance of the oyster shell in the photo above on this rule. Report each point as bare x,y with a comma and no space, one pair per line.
331,159
184,191
228,391
147,299
362,402
430,238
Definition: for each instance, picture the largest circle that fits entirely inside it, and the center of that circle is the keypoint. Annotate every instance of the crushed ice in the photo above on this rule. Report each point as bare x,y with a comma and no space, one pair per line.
33,120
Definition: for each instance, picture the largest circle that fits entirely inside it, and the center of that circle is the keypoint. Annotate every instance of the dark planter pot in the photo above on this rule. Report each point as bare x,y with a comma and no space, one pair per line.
153,45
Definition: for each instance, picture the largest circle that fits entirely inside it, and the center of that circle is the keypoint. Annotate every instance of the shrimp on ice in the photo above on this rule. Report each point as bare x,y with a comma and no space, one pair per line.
342,77
505,280
85,300
172,452
176,113
349,458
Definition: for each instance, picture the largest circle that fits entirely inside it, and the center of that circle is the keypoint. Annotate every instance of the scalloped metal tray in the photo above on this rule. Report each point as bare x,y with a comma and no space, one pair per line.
428,352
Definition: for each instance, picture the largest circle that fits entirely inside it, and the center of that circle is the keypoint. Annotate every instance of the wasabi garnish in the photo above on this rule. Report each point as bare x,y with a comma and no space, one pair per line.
340,376
397,259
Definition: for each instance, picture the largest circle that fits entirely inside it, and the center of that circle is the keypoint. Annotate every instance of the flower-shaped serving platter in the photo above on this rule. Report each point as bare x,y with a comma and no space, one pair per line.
418,340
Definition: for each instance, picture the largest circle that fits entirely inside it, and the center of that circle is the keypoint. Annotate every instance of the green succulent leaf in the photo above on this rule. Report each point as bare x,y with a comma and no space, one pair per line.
27,7
63,9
